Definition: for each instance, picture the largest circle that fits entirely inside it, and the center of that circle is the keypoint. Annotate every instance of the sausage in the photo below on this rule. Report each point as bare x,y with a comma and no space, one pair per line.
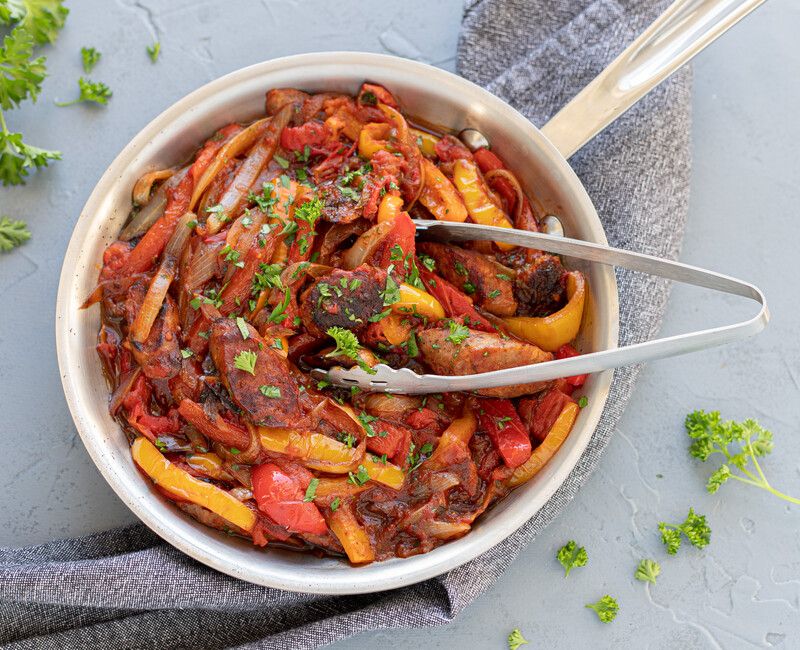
270,369
485,280
480,352
540,286
343,299
160,356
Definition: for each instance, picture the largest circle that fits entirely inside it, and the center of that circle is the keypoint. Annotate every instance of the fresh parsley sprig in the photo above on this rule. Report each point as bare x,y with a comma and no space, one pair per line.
90,91
89,57
33,22
571,556
740,443
694,528
515,639
606,608
13,233
347,345
647,571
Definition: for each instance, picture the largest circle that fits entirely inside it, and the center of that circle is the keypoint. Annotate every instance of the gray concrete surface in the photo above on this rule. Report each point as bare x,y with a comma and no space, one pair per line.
743,591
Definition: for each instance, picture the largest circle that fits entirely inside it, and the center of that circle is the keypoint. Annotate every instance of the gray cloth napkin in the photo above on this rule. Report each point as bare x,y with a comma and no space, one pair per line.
128,589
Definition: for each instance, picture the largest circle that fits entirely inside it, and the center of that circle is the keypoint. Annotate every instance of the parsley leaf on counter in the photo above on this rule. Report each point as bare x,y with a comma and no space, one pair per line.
606,608
515,639
12,233
647,571
741,443
694,528
571,556
33,22
90,58
90,91
153,51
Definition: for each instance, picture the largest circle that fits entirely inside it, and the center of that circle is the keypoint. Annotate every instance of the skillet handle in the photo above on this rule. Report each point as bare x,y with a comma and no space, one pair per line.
683,30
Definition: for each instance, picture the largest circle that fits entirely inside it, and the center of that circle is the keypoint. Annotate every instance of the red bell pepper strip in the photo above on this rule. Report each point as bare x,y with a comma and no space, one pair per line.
500,420
150,246
565,352
280,497
487,162
540,414
391,439
454,302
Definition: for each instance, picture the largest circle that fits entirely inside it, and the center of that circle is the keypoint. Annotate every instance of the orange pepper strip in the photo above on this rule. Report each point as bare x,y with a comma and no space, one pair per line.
440,196
553,331
373,138
550,445
391,206
458,433
480,205
425,141
353,537
185,486
338,487
396,328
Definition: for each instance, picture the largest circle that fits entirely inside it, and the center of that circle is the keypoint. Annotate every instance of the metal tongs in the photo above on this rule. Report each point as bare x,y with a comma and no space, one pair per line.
389,380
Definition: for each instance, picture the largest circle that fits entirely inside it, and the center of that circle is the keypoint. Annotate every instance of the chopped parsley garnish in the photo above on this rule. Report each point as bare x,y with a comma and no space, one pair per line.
583,401
311,490
310,212
246,361
415,459
335,504
458,333
347,438
428,262
186,353
503,276
277,315
495,293
391,293
360,477
267,277
270,391
366,421
461,270
469,288
243,329
281,161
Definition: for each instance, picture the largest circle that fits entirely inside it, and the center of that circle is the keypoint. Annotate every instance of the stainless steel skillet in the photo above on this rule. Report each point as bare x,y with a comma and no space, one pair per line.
440,98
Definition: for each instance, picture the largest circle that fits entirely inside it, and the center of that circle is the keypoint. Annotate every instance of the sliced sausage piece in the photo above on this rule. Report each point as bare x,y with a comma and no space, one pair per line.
540,286
343,299
270,369
489,283
480,352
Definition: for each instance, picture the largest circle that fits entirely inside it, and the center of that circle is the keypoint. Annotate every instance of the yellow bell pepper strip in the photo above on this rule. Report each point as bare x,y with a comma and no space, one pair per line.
425,141
373,138
550,445
209,464
386,473
351,534
480,205
185,486
317,451
553,331
413,299
391,205
440,196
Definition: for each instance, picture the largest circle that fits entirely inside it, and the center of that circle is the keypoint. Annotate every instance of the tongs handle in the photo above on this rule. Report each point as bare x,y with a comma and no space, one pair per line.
406,381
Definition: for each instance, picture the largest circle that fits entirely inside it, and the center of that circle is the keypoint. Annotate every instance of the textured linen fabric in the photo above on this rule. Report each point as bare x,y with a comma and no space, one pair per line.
128,589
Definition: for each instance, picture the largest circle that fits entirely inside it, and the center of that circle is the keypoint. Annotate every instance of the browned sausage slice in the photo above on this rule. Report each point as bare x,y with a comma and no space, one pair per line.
480,352
489,283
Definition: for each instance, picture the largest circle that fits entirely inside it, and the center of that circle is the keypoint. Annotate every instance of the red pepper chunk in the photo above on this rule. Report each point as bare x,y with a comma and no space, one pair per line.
500,420
487,161
280,497
565,352
391,439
